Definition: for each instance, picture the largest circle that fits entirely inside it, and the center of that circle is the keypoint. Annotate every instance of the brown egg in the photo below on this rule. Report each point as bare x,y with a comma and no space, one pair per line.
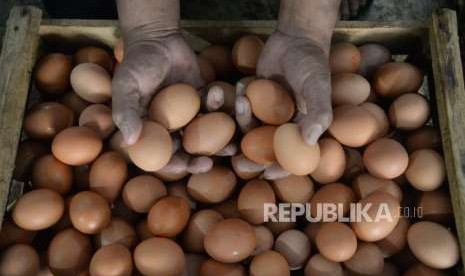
252,199
230,241
366,184
168,216
346,119
396,241
241,171
269,263
143,230
108,174
214,268
89,212
95,55
179,189
336,241
199,224
320,266
207,71
159,256
349,89
51,73
154,148
293,153
170,176
19,259
367,260
217,126
312,229
373,56
221,59
91,82
117,144
74,102
117,231
293,188
229,93
265,240
386,158
436,206
69,253
77,146
426,170
335,193
409,111
426,137
382,215
396,78
344,58
423,270
294,246
278,227
175,106
118,50
433,244
47,119
332,162
257,145
12,234
246,52
354,164
98,117
381,119
111,260
38,209
213,186
26,155
269,101
228,208
141,192
49,173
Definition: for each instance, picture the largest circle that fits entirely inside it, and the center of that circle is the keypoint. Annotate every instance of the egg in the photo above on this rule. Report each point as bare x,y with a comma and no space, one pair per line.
207,71
252,199
239,163
153,150
426,170
141,192
217,126
245,53
269,263
344,58
19,259
114,259
49,173
294,246
213,186
318,265
372,56
311,230
335,193
221,59
348,118
74,102
367,260
108,174
174,106
293,188
221,242
26,155
91,82
12,234
396,78
38,209
116,143
47,119
51,73
433,244
179,189
257,145
349,89
426,137
382,216
436,206
278,227
229,94
118,231
332,162
159,256
213,268
366,184
168,216
421,269
89,212
170,175
269,101
381,118
386,158
265,240
69,252
396,241
199,224
228,208
336,241
98,117
118,50
409,111
94,55
77,146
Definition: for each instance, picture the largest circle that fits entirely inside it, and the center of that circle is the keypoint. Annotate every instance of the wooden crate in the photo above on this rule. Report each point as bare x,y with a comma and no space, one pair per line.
436,42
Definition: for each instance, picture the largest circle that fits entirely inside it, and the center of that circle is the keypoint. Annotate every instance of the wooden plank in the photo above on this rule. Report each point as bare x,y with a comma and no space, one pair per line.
16,62
450,98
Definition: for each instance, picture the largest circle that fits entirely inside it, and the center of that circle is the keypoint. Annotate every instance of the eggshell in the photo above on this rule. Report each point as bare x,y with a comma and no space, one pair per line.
269,101
49,173
175,106
170,176
154,148
118,231
252,199
229,93
367,260
91,82
409,111
94,55
213,186
141,192
332,162
265,240
221,59
433,245
47,119
51,73
168,216
89,212
426,137
98,117
294,246
396,78
366,184
111,260
381,119
217,126
117,144
222,241
269,263
336,241
213,268
372,56
320,266
293,188
74,102
426,170
12,234
26,155
396,241
344,58
199,224
159,256
257,145
421,269
38,209
207,71
349,88
386,158
77,146
118,50
19,259
335,193
436,206
278,227
246,52
179,189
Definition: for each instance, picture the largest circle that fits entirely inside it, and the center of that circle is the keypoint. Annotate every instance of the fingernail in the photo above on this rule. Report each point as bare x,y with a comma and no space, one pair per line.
312,134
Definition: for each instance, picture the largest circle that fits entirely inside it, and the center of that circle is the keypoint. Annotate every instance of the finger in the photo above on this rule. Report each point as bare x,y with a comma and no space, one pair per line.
200,164
242,84
275,171
177,164
215,98
244,116
230,150
241,163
